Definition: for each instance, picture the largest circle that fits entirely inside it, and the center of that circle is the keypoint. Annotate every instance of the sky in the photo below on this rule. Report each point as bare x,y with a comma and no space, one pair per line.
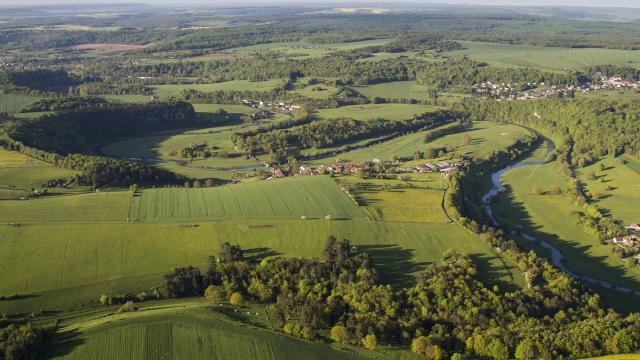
607,3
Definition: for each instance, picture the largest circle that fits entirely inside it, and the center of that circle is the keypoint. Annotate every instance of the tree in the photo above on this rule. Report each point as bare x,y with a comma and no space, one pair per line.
370,342
196,184
340,334
230,253
555,190
467,139
236,299
214,293
209,183
526,350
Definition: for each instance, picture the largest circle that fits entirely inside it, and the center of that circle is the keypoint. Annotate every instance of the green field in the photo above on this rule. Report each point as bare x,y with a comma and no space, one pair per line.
546,57
236,85
395,89
167,145
616,189
20,173
87,246
11,103
549,217
292,197
486,137
373,111
324,89
182,331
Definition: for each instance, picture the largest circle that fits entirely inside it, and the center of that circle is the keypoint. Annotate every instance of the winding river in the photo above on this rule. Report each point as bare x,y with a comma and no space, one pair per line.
557,258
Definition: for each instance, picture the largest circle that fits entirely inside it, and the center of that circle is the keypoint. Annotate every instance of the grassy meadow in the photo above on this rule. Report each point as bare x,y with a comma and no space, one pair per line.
615,187
164,91
486,137
89,247
373,111
11,103
542,57
20,173
549,217
182,331
396,89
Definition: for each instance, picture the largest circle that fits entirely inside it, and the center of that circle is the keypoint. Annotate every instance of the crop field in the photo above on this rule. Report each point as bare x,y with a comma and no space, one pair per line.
236,85
552,58
549,217
293,197
615,188
20,173
10,103
182,332
485,137
373,111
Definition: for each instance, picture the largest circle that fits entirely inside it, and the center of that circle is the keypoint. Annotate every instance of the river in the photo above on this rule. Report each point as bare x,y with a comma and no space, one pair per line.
557,258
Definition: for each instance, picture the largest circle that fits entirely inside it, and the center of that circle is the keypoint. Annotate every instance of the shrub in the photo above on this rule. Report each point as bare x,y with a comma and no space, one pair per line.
538,190
236,299
370,342
129,306
340,334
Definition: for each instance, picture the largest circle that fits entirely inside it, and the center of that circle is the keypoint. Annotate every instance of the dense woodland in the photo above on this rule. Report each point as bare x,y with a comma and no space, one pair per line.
447,311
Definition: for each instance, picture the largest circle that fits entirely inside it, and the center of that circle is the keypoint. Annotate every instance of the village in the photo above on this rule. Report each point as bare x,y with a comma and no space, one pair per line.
502,91
629,243
276,106
374,166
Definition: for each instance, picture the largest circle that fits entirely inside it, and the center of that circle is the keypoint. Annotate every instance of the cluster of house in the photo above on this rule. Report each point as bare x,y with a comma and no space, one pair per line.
443,167
615,82
259,104
502,91
631,239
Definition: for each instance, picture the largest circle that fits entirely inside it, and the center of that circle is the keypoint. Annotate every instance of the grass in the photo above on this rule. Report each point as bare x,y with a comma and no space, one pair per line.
316,91
87,248
549,58
236,85
11,103
167,145
20,173
486,137
395,89
293,197
373,111
189,331
394,201
549,217
135,99
616,189
104,206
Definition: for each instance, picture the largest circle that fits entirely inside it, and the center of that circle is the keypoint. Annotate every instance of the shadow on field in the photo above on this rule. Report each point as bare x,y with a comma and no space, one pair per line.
514,217
493,270
257,254
61,344
394,264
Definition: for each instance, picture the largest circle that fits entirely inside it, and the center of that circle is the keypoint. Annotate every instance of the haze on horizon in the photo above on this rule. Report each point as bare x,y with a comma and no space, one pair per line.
577,3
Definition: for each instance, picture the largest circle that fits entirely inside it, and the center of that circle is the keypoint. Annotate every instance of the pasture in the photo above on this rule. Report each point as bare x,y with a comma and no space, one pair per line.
549,217
292,197
484,138
184,331
374,111
164,91
615,187
11,103
44,262
548,58
396,89
20,173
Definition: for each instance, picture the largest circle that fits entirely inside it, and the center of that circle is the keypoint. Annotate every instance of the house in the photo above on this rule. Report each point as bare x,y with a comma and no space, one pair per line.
422,168
629,240
305,170
633,228
431,167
